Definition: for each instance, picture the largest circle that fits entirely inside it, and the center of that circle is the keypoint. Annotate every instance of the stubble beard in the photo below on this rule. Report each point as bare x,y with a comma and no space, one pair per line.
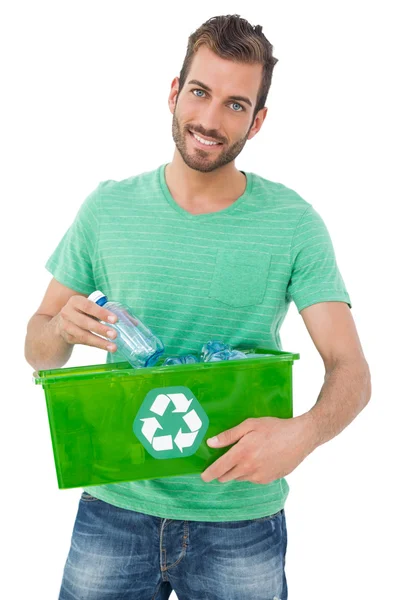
200,160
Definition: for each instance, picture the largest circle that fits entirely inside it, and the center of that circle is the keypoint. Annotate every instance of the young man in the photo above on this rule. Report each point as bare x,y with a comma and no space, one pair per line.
202,250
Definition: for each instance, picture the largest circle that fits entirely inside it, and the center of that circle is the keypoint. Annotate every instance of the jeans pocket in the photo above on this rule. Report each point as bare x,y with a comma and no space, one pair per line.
249,288
86,497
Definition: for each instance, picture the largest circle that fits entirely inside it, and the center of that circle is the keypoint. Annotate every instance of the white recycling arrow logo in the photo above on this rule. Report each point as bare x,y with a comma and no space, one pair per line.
151,424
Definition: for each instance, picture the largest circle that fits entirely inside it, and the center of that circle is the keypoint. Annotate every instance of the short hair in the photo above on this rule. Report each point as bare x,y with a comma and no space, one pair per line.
233,38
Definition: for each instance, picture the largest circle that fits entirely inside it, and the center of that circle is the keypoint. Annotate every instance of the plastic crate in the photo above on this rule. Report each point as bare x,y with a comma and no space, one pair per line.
95,414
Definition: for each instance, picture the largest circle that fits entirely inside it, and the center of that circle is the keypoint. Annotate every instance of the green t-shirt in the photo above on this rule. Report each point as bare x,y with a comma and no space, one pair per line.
228,275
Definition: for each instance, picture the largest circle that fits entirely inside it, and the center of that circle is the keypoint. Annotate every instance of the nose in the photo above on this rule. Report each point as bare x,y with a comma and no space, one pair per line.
210,120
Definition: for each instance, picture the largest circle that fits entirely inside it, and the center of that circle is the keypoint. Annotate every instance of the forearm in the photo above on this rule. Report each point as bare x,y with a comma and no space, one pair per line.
44,346
345,392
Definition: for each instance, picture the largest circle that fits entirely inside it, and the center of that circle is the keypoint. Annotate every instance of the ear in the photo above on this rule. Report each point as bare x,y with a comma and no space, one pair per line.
258,121
173,95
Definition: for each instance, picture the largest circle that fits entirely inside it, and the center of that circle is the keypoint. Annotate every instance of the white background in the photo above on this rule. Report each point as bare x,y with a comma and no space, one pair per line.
85,87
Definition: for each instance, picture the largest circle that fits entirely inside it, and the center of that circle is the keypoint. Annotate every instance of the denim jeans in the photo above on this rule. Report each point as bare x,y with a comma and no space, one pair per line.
119,554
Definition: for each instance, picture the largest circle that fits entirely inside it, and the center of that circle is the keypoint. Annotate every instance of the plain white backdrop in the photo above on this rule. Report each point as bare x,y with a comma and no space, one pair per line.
85,87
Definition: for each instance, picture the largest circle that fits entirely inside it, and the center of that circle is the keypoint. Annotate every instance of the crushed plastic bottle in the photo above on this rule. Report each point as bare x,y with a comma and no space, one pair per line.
225,355
214,351
188,359
134,340
212,347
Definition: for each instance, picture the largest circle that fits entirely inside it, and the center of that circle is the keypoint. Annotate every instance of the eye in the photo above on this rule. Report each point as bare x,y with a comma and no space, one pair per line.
198,91
235,103
240,106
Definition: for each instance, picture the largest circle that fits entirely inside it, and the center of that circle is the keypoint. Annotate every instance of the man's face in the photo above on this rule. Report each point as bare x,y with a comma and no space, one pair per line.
214,113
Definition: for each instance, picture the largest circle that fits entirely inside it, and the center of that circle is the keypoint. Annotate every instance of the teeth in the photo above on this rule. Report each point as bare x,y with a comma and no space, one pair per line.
204,141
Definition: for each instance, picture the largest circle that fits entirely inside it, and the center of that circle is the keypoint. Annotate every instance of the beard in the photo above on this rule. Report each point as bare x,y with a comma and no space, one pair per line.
202,160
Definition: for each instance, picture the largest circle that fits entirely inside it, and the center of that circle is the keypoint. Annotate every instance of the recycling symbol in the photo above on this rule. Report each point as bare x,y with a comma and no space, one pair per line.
171,422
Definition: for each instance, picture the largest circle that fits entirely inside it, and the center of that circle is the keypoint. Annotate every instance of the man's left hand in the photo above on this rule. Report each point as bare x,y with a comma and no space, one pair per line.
265,449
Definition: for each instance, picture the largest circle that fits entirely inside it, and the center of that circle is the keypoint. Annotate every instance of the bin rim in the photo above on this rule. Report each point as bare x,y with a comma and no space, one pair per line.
42,376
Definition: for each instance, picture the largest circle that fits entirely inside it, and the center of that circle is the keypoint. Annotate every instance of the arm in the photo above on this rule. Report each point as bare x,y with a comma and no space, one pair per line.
44,346
347,386
268,448
64,318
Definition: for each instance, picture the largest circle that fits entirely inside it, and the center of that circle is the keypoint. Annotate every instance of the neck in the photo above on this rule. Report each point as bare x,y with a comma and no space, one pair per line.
224,184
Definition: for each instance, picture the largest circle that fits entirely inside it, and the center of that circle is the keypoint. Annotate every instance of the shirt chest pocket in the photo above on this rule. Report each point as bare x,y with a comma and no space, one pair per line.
240,277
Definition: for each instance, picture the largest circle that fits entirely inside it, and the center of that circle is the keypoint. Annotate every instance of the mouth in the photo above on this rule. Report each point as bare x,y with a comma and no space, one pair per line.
207,146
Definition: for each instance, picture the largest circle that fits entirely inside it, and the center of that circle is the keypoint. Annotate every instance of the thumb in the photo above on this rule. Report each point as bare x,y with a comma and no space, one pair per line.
230,436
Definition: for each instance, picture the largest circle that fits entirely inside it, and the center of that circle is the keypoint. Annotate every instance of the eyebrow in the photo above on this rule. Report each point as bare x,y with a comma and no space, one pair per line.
208,89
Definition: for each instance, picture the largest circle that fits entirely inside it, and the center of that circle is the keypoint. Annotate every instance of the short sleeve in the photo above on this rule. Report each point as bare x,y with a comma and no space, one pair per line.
315,276
72,261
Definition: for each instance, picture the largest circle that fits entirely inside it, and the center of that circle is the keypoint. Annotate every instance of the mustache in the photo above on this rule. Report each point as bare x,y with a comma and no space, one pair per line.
206,134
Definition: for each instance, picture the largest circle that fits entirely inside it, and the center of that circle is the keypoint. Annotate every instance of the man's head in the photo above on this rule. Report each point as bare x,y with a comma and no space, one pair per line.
221,91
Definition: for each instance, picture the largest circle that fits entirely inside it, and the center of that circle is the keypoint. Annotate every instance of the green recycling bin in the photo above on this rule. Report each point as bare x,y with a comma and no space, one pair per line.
111,423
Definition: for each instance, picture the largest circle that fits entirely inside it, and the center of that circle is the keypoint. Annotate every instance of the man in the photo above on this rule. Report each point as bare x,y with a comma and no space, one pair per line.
201,250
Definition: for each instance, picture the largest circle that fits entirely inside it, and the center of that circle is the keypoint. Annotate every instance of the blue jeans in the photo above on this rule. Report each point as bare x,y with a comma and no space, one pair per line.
119,554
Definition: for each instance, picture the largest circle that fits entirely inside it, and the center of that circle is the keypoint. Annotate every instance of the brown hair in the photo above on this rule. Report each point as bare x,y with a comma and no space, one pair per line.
233,38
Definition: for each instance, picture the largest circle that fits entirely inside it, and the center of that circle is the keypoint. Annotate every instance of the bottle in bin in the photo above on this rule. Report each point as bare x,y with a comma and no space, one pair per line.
134,340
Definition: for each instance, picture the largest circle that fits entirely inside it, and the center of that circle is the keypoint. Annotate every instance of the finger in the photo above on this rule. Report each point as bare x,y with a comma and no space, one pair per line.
237,473
76,335
87,323
91,308
221,466
230,436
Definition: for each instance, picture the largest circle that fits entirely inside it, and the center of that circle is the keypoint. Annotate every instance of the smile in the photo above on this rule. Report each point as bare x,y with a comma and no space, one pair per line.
199,141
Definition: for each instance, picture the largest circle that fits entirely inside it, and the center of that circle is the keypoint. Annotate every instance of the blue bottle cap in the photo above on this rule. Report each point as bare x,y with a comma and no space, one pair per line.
98,297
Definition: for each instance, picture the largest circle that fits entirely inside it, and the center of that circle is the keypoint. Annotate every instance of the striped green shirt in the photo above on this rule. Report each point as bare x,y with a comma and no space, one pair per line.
228,275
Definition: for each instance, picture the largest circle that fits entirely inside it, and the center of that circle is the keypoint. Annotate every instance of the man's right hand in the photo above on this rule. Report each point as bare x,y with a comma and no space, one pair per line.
79,318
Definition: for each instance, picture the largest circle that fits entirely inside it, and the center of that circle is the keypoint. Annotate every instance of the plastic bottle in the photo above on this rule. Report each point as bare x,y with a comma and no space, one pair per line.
224,355
188,359
212,347
214,351
134,340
